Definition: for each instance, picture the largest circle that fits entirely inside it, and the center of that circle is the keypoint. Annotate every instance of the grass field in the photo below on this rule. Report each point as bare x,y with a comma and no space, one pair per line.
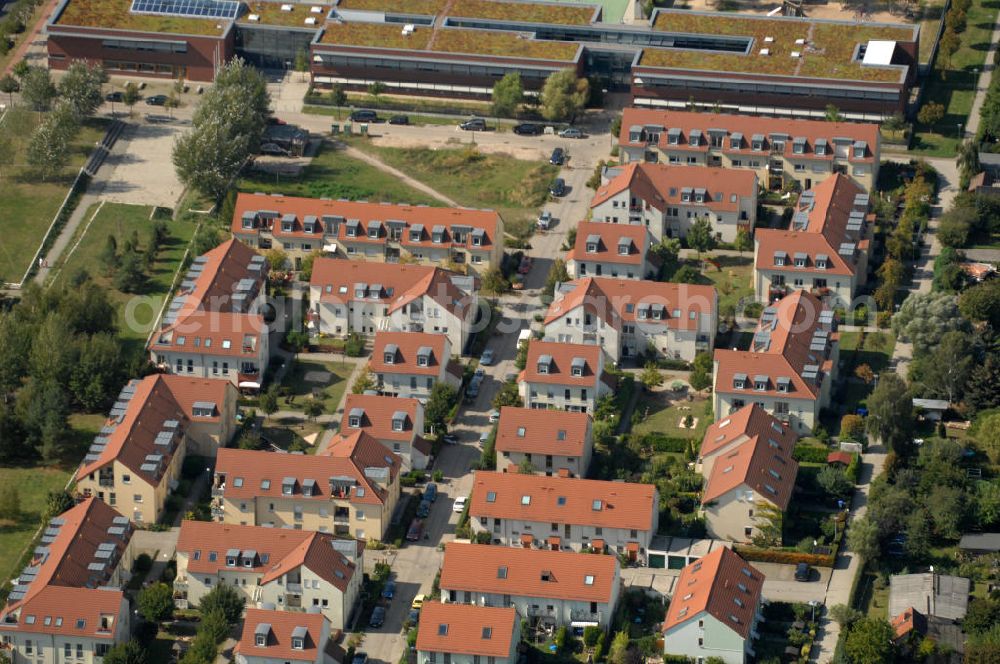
27,205
33,486
953,85
331,390
332,174
733,280
135,316
665,415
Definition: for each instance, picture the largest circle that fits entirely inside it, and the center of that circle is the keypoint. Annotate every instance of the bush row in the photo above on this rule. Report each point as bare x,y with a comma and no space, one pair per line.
755,554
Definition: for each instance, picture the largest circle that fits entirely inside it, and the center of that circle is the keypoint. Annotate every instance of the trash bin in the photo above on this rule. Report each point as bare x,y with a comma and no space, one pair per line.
364,130
335,129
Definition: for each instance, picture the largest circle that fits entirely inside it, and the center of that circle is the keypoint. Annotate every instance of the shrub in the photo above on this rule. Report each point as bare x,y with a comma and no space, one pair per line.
852,427
810,453
757,554
142,563
354,346
590,635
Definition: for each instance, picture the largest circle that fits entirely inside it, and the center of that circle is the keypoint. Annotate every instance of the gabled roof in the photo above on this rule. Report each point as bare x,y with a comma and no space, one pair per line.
908,621
259,474
761,464
610,237
561,358
278,627
277,551
564,500
65,611
555,432
378,412
466,629
519,572
405,348
748,422
660,185
647,303
721,584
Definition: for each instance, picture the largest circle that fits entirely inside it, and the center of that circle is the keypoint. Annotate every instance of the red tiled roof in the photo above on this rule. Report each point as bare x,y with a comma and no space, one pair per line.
761,464
378,413
279,637
285,550
619,300
529,572
365,213
748,422
555,432
564,500
907,621
466,629
560,369
68,612
215,333
722,584
660,185
405,358
611,235
748,125
254,470
840,457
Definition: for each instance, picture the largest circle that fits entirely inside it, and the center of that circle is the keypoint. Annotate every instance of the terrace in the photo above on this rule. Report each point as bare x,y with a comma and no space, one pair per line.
270,13
528,12
115,15
420,7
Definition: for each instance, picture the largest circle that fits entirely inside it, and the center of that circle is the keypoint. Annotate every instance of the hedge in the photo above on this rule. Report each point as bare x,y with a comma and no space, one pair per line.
810,453
755,554
663,443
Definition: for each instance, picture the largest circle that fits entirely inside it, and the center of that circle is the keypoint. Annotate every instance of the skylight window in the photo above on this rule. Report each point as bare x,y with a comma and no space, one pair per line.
525,500
588,580
443,629
487,632
491,496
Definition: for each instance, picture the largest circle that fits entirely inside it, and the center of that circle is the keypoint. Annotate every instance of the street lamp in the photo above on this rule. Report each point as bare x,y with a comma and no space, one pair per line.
960,131
975,79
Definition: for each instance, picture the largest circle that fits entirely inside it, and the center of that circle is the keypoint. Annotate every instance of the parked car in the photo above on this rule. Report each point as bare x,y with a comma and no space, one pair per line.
571,132
390,589
273,149
558,187
479,374
114,96
431,492
413,616
494,416
803,572
424,509
418,602
415,531
363,115
156,100
360,658
472,391
378,617
483,437
487,357
529,129
558,157
525,266
459,505
545,220
450,439
399,120
473,124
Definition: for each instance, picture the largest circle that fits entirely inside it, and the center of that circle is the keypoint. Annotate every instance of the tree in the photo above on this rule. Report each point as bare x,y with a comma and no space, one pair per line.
48,147
701,376
983,613
508,93
925,317
983,389
651,376
563,96
981,303
852,427
8,86
895,123
156,602
208,159
945,372
277,259
863,538
526,467
376,90
305,269
870,641
955,226
890,413
844,615
743,240
268,401
131,274
618,652
438,408
80,88
865,373
930,113
557,274
946,506
338,97
700,236
364,382
37,89
948,45
507,395
56,503
224,598
130,95
313,409
833,114
98,372
10,502
835,482
129,652
967,161
493,282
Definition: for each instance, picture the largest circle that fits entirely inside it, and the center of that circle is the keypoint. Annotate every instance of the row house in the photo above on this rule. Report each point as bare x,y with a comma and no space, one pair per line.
565,514
746,460
67,604
564,376
282,637
214,326
668,198
790,367
383,232
395,422
283,569
410,364
624,252
553,442
553,588
715,610
778,150
135,460
350,491
468,634
365,298
631,318
825,249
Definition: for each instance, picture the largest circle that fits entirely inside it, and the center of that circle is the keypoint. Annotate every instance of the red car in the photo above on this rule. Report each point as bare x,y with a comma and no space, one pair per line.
415,531
525,266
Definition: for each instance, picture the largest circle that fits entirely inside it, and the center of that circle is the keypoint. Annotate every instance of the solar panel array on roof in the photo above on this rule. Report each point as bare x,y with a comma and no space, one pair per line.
761,341
826,317
227,9
810,371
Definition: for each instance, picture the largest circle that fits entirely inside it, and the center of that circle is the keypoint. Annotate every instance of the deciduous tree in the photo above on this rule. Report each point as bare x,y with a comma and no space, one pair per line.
890,413
37,89
508,93
156,602
700,236
563,95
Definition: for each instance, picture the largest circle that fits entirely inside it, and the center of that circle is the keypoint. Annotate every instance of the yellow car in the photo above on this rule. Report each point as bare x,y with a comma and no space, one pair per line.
418,602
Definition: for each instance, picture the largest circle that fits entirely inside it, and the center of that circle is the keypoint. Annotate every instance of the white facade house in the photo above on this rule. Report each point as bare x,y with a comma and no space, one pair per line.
564,376
283,637
620,252
554,442
467,634
410,364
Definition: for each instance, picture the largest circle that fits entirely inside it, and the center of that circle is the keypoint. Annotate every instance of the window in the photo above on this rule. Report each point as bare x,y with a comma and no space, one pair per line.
298,643
68,650
79,651
28,647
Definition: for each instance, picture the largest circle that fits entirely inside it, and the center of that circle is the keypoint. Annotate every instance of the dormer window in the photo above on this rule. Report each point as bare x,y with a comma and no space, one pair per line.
288,486
685,195
822,261
543,364
740,381
261,640
288,223
799,146
695,138
859,150
779,258
624,247
299,638
760,383
389,358
576,369
478,236
360,290
261,634
757,142
784,384
699,196
736,141
437,236
593,243
248,220
800,259
424,356
399,421
674,137
820,147
354,421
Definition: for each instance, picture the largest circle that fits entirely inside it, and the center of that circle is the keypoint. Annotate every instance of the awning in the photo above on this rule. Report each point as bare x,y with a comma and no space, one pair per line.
249,385
554,540
330,248
597,544
527,538
632,546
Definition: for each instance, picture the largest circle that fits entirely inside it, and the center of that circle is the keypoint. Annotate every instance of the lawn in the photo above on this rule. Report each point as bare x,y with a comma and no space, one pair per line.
661,413
331,381
27,204
732,277
33,486
516,188
332,174
120,220
876,351
952,83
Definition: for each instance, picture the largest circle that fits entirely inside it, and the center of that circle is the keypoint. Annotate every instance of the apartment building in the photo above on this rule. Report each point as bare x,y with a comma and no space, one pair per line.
624,251
790,367
629,318
363,297
135,460
214,326
564,376
778,150
395,422
467,634
554,442
565,514
67,605
825,249
290,570
555,588
715,609
668,198
350,492
746,460
282,637
409,364
457,238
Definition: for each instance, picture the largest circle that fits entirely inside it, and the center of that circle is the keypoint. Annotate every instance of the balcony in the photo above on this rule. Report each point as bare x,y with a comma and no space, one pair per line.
540,612
342,518
218,491
581,615
294,588
107,482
